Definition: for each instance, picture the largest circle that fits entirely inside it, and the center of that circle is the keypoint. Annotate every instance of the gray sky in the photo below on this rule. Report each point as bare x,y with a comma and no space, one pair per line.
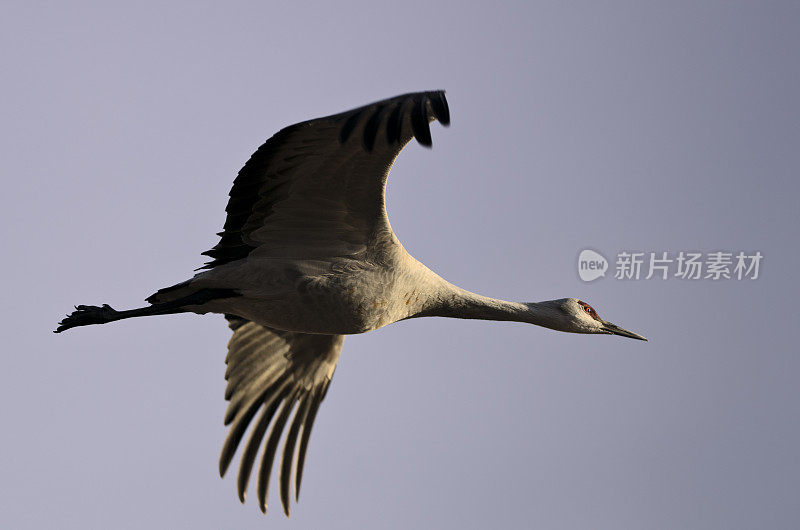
624,126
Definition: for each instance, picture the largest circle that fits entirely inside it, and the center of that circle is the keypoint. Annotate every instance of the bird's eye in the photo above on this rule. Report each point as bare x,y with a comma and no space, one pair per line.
589,310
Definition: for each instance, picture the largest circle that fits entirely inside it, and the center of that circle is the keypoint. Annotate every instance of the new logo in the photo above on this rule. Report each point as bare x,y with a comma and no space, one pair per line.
591,265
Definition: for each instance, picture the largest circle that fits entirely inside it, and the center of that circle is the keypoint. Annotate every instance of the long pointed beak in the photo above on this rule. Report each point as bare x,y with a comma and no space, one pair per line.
613,329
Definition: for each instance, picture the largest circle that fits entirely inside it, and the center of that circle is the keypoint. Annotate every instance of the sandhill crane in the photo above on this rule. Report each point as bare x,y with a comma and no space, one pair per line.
306,257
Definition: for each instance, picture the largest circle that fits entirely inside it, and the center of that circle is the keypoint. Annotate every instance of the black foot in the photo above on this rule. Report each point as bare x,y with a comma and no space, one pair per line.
87,314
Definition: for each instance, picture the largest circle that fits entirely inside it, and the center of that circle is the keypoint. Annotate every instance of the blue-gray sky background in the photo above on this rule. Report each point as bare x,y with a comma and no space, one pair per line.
625,125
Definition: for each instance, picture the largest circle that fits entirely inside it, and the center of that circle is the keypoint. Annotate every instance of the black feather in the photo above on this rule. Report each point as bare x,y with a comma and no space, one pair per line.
371,128
419,123
394,125
349,125
440,108
243,198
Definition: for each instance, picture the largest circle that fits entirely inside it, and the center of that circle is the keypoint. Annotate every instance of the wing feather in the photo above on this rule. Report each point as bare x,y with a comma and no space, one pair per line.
253,443
313,405
287,457
275,372
269,453
419,123
315,189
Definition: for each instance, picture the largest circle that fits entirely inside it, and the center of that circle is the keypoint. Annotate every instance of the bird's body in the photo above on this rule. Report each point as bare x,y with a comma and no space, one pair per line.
340,296
307,256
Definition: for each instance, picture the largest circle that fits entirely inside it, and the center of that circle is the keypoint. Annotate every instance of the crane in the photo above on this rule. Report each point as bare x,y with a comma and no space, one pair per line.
307,256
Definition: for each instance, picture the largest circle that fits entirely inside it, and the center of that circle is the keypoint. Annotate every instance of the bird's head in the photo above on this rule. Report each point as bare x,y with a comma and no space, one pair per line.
576,316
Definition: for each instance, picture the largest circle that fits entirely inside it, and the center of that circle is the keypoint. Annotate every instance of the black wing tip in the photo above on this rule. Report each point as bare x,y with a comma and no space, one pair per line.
441,110
419,122
395,108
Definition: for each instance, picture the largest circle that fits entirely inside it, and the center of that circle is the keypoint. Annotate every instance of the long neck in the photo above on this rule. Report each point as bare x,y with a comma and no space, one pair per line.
454,302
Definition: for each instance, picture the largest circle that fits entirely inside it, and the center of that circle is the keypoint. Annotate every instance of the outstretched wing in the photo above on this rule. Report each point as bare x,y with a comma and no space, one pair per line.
275,372
316,188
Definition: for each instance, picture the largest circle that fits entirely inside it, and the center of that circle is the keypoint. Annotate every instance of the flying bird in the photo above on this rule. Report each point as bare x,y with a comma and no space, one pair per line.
307,256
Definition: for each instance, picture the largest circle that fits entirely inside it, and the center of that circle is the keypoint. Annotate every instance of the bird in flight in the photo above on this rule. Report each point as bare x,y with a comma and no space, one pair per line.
307,256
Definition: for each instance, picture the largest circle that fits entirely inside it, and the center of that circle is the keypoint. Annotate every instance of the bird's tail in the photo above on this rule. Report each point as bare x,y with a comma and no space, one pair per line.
85,315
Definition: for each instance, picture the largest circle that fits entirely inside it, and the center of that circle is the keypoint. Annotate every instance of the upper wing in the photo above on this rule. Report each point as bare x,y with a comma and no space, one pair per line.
270,369
316,188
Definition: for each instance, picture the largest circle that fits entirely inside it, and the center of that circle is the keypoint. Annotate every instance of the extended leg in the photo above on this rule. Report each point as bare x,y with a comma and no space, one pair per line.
85,315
